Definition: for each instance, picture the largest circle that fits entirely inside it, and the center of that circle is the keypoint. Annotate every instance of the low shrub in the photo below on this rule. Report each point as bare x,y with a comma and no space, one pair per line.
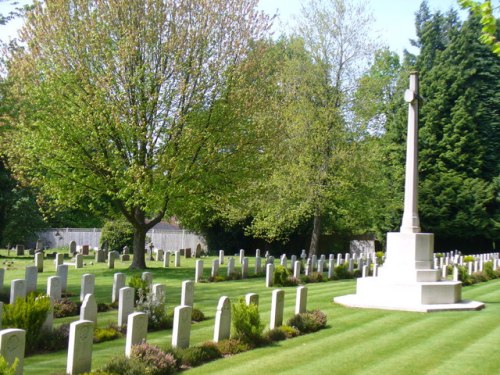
140,286
281,275
29,314
290,331
468,258
6,368
103,307
154,360
196,355
65,307
488,269
275,334
197,315
122,365
154,307
246,323
310,321
109,333
313,278
233,276
341,272
216,279
55,339
232,346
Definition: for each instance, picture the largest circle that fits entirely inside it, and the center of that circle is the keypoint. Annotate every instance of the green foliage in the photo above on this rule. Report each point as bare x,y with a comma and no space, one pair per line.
6,368
197,315
123,365
488,21
152,305
154,360
116,234
109,333
233,346
246,323
197,355
275,334
55,339
141,287
29,314
66,307
307,322
281,275
468,258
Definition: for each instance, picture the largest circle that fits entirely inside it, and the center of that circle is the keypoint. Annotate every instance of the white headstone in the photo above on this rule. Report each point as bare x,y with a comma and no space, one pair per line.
230,266
187,294
118,283
54,287
277,306
17,290
181,331
269,275
81,334
159,293
215,268
88,310
296,269
78,261
331,268
137,331
39,261
62,272
99,256
125,304
147,277
301,300
244,268
258,265
252,298
198,271
221,256
31,277
12,345
242,255
59,260
87,285
166,259
177,259
222,327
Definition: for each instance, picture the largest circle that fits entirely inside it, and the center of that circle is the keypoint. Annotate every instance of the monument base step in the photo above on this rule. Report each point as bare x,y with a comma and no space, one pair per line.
353,300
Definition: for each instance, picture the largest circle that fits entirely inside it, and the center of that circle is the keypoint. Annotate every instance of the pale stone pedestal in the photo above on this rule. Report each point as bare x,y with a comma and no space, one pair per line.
407,281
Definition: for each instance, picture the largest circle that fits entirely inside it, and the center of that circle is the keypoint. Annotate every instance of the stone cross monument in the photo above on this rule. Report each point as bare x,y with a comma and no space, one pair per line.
408,280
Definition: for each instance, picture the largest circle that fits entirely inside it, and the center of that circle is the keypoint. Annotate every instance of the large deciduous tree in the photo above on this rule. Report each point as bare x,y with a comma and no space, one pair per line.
321,164
127,103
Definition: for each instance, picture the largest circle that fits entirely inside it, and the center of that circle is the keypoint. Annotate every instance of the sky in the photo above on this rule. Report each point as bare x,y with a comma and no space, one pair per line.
394,19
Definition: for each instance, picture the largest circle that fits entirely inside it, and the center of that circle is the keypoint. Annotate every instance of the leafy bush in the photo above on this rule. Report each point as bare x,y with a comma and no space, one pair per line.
233,276
154,360
488,269
55,339
116,234
313,278
123,365
380,257
341,272
6,368
275,334
310,321
197,315
281,274
289,331
246,323
216,279
464,276
65,307
109,333
468,258
103,307
140,286
232,346
154,306
28,314
196,355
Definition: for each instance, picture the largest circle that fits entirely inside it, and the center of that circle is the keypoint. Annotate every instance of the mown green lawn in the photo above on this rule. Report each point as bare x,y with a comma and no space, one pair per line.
355,341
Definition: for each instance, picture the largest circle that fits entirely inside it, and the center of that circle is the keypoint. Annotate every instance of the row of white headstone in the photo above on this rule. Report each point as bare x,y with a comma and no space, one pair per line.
12,341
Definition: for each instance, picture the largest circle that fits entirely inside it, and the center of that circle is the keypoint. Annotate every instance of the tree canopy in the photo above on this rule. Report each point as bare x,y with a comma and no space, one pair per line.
126,103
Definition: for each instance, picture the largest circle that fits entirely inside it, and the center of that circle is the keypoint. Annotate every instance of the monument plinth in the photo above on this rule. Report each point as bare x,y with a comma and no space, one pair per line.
408,280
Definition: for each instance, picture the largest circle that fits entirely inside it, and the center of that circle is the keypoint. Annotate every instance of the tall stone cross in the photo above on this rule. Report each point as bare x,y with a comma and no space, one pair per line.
411,222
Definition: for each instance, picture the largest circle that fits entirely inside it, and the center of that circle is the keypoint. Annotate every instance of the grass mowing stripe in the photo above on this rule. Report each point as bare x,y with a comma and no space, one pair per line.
423,337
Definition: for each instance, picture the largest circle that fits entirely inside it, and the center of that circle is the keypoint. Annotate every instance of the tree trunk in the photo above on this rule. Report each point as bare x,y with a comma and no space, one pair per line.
313,248
139,259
